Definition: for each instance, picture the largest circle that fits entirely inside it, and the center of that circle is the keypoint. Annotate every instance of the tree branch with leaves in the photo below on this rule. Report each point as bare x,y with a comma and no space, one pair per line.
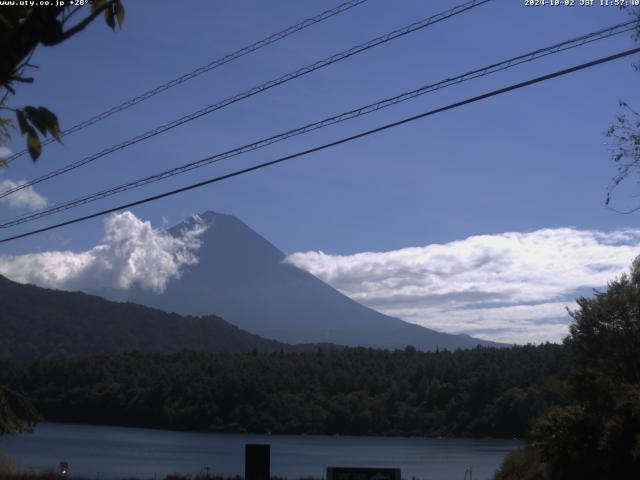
17,413
624,136
22,29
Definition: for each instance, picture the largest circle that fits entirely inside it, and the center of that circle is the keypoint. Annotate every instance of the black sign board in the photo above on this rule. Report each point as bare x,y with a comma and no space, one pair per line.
257,461
349,473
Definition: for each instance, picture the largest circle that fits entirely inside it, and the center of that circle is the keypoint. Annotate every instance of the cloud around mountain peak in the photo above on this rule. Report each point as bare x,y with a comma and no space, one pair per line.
131,252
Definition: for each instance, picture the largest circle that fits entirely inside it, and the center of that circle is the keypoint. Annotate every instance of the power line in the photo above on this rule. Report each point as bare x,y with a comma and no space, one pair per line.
203,69
261,88
496,67
366,133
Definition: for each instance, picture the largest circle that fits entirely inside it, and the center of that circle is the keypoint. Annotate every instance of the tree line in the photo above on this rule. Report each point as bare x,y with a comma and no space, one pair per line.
355,391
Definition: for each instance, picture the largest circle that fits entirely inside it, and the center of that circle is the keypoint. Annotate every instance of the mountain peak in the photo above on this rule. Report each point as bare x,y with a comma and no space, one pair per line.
241,276
211,215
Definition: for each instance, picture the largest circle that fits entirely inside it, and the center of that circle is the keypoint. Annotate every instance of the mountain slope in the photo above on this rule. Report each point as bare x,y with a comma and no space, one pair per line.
37,323
242,277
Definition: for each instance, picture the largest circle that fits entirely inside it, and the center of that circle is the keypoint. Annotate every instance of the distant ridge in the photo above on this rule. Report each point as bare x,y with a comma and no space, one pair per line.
38,323
242,277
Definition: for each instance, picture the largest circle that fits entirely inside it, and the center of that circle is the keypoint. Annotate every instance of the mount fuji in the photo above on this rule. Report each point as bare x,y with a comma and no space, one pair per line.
242,277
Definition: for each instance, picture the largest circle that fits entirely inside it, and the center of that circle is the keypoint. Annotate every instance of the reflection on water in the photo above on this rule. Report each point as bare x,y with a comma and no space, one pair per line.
117,452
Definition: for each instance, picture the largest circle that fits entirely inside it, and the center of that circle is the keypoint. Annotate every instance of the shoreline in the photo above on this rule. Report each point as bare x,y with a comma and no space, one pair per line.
271,434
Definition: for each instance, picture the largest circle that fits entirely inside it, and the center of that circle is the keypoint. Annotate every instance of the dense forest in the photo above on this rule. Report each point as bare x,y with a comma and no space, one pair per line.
478,392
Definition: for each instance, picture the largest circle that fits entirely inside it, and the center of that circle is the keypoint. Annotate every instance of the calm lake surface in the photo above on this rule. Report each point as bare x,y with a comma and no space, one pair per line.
118,452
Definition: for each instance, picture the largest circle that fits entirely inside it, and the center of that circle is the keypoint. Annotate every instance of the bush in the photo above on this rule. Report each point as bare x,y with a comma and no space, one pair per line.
523,464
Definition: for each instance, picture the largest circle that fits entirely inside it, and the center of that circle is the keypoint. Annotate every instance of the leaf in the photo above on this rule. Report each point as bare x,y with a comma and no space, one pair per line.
55,131
44,120
36,119
22,122
51,122
33,144
96,5
109,17
119,11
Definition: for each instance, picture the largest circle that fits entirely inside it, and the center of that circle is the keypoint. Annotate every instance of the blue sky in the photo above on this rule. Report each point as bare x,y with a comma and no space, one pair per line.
525,161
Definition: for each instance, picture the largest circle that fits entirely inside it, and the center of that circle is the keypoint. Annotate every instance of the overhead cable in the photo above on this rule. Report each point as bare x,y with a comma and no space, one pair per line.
254,91
325,146
200,70
373,107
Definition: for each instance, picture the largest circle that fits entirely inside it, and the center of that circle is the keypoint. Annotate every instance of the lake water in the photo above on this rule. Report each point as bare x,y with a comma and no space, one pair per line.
117,452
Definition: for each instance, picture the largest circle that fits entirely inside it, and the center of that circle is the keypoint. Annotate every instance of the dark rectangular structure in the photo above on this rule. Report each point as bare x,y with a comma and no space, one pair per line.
352,473
257,461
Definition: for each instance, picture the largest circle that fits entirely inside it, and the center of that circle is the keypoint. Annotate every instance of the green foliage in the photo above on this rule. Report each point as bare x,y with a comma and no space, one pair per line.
605,336
113,12
564,437
17,413
479,392
523,464
597,435
45,121
6,125
7,466
24,27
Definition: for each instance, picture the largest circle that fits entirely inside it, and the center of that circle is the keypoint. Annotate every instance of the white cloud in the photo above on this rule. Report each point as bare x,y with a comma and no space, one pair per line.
131,252
25,198
508,287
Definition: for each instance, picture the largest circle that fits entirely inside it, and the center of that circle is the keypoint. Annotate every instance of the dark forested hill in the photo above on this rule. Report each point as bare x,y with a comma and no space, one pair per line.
39,323
475,392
